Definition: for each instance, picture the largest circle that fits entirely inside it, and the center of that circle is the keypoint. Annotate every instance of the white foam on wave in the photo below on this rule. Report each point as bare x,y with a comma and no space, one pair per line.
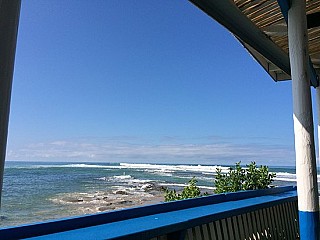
125,179
157,168
174,168
122,177
184,185
285,173
75,165
206,178
289,174
285,176
289,177
160,172
285,179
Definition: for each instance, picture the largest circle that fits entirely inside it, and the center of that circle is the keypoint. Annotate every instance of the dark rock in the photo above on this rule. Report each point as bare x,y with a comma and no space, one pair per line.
104,208
121,192
72,200
124,202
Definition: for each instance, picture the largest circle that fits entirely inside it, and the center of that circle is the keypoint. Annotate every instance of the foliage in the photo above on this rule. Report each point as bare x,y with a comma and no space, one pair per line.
190,191
238,179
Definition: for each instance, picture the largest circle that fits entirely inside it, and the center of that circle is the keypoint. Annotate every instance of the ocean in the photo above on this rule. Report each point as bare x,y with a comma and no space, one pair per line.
38,191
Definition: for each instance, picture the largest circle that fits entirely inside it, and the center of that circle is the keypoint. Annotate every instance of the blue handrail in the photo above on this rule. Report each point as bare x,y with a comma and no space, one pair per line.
154,220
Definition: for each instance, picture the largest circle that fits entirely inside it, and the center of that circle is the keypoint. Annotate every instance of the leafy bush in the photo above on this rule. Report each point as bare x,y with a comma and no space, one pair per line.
190,191
238,179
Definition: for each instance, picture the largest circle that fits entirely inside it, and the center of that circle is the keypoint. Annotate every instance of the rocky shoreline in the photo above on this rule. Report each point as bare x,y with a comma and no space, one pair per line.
118,198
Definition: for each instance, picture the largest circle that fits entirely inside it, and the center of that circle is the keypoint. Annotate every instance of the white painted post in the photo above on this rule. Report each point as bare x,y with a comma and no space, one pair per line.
318,108
306,170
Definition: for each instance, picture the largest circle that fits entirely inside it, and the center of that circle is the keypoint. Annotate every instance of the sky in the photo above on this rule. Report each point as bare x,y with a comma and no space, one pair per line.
141,81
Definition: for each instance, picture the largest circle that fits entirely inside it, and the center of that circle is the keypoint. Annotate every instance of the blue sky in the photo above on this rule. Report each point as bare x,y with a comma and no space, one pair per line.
141,81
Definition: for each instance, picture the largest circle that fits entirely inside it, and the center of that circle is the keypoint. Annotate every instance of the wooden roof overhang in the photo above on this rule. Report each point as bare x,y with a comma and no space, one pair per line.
261,27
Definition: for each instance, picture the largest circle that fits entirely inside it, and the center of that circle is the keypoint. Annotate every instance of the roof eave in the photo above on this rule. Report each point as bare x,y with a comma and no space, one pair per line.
260,46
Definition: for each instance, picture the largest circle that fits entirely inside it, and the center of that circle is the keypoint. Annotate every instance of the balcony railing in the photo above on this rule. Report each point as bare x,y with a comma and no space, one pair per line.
261,214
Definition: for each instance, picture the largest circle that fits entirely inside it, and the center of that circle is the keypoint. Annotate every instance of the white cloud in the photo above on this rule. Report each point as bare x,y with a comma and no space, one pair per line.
118,150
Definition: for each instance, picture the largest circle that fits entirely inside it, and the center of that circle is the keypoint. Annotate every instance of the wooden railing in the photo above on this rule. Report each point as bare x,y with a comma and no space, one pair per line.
277,222
260,214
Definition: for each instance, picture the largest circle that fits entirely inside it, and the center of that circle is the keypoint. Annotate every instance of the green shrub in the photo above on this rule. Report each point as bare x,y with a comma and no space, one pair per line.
238,179
190,191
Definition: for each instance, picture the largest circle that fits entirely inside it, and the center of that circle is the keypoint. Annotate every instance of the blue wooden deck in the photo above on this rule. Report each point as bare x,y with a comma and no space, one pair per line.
165,219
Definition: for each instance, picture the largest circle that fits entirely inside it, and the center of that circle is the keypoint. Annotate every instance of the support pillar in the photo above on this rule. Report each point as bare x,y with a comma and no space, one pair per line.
318,111
306,170
9,18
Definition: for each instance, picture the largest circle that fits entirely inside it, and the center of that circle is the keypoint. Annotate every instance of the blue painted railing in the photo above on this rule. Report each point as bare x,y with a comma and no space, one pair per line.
260,214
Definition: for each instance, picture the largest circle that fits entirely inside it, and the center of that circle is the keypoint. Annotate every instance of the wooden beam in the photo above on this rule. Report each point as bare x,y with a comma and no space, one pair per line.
9,19
230,16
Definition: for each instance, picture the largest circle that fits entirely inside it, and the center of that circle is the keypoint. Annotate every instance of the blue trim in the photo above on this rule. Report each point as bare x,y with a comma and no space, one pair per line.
313,74
285,6
309,225
154,220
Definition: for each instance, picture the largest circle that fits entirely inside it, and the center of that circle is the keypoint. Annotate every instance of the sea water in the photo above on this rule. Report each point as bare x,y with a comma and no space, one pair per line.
36,191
